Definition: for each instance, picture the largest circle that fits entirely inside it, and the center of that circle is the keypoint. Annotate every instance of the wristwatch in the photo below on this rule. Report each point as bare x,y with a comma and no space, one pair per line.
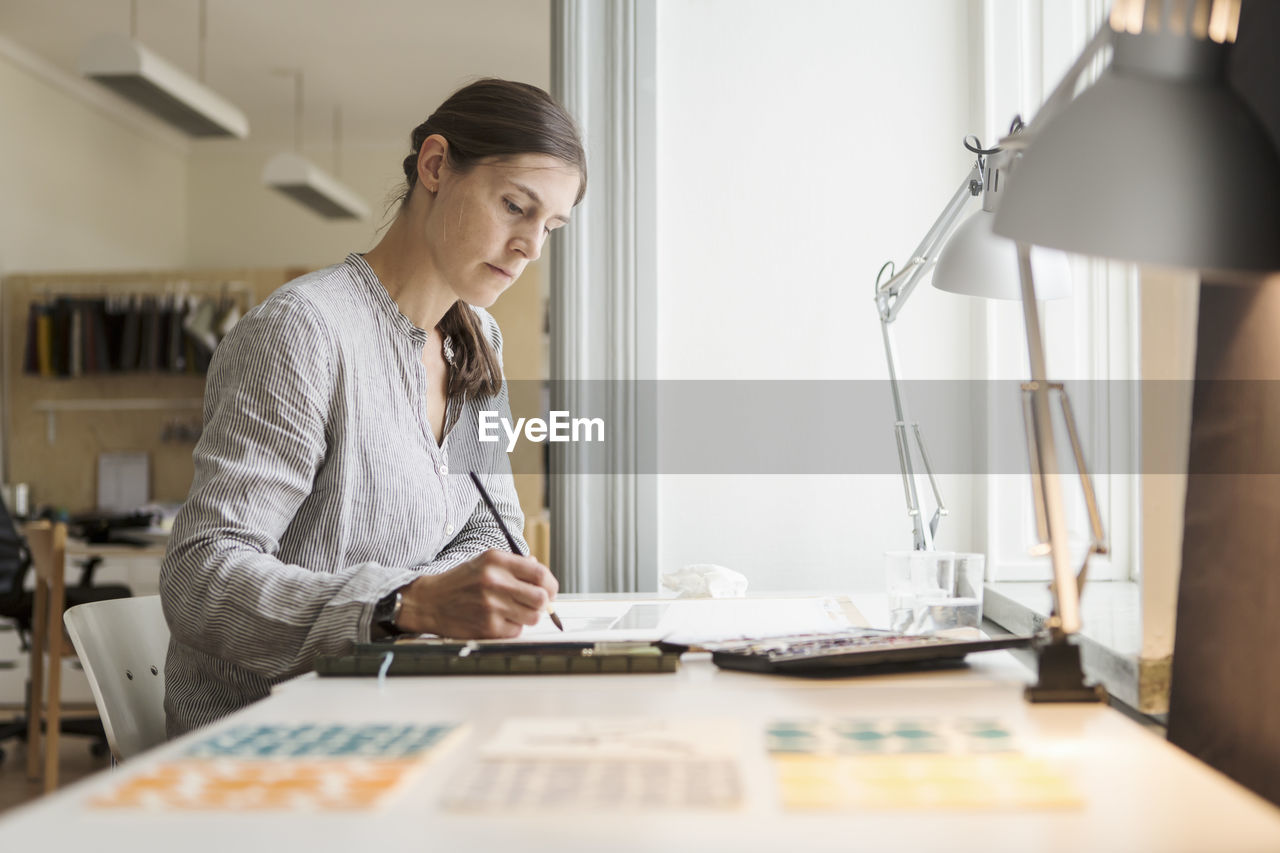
387,611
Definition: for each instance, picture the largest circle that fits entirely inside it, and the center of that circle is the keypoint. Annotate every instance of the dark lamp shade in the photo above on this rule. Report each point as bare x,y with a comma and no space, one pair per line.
1151,166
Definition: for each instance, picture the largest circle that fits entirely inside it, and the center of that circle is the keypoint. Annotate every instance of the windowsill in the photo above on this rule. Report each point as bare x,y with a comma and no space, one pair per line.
1110,641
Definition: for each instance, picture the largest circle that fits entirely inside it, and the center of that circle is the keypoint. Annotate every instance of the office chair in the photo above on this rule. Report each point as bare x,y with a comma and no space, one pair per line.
17,604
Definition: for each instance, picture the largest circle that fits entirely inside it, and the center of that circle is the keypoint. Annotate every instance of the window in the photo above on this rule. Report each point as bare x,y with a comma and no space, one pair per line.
1091,339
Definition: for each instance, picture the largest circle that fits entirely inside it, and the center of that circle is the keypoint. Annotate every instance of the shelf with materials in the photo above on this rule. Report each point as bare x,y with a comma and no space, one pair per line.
55,426
72,331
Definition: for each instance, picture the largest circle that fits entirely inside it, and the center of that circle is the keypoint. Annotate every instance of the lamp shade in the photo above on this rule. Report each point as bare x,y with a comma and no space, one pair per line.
978,262
1158,162
313,188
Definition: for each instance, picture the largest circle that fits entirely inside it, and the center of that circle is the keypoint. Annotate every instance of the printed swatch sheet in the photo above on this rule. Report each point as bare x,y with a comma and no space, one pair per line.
309,767
613,763
911,763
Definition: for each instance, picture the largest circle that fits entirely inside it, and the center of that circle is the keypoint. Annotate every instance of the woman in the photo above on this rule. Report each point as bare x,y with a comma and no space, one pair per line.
331,502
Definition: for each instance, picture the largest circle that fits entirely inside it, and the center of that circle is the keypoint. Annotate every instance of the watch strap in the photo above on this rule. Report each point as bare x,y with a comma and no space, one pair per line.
387,611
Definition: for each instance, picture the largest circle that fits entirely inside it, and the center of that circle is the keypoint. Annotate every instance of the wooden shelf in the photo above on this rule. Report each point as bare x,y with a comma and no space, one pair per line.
50,408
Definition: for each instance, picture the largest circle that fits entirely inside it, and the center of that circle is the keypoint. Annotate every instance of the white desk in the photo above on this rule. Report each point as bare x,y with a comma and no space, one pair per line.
1141,793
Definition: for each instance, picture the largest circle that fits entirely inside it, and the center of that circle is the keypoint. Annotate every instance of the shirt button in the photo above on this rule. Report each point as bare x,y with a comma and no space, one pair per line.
448,529
442,469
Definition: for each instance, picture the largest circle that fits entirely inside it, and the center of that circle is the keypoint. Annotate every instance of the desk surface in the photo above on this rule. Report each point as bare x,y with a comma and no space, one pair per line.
1140,792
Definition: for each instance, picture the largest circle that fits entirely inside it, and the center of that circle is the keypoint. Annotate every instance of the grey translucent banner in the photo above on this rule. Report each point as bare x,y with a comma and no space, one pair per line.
848,427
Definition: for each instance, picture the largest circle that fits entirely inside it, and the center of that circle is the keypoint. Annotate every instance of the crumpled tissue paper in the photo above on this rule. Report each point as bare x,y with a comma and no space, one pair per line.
706,580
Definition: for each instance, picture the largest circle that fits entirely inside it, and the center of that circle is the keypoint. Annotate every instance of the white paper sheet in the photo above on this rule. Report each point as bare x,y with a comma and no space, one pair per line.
687,621
691,621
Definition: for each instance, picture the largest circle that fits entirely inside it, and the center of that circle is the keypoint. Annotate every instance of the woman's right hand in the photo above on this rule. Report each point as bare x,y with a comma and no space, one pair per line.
491,596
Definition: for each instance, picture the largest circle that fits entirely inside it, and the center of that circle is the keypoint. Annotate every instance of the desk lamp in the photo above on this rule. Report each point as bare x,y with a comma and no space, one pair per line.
969,260
1158,162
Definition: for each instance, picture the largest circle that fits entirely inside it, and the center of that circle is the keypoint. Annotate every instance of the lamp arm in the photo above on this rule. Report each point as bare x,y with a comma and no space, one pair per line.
1042,449
893,293
941,509
923,534
1046,481
1061,675
1098,544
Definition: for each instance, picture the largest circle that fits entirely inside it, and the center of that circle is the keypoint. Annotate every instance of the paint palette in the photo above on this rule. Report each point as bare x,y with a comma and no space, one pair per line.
857,651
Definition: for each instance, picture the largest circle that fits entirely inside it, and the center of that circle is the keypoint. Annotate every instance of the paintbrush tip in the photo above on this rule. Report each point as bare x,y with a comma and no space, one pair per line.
556,620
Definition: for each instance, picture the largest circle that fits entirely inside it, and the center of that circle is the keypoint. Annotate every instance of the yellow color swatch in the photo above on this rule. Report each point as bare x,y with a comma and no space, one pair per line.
998,781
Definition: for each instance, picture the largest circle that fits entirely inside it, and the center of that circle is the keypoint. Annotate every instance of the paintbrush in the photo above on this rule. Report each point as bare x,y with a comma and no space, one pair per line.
511,540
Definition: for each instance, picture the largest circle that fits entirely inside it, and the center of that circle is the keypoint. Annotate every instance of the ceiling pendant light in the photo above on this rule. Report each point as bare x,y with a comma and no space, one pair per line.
305,182
132,71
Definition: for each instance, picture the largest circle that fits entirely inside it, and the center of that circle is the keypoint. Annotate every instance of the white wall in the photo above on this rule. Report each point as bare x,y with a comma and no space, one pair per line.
233,218
800,146
82,189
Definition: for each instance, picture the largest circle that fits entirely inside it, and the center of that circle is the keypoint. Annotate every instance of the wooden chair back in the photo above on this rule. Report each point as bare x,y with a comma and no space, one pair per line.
48,544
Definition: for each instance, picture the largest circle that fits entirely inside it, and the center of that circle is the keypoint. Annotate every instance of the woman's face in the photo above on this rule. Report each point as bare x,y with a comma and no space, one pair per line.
487,224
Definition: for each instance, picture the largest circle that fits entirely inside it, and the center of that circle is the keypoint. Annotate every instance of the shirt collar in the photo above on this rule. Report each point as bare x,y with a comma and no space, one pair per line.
382,298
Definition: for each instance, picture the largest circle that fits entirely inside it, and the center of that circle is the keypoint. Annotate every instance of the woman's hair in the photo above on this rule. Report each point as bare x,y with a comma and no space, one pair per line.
486,119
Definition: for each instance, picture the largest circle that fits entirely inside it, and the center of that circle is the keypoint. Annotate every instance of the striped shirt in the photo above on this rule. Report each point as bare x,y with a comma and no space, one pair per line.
319,488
